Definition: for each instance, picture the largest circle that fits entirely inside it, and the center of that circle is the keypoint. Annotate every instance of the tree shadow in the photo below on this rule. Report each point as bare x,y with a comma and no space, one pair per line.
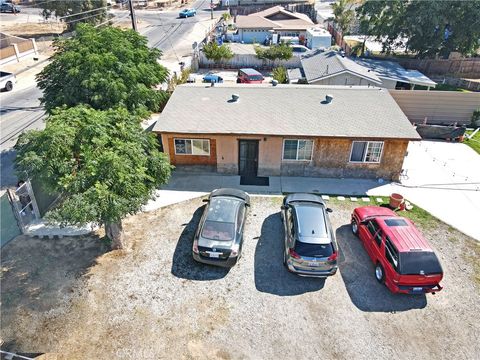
271,276
357,271
183,265
37,275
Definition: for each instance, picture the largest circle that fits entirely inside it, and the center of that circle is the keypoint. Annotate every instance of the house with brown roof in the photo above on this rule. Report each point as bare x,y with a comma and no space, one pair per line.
265,130
257,27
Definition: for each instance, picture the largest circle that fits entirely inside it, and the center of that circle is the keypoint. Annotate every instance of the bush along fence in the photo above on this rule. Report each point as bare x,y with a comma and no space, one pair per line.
247,61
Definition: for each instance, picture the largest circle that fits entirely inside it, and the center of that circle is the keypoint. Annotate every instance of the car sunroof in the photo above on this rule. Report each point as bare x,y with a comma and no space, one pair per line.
396,222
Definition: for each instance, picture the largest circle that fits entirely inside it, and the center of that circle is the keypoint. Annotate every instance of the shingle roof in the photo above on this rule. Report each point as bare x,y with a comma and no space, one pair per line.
320,65
289,110
254,22
260,20
394,71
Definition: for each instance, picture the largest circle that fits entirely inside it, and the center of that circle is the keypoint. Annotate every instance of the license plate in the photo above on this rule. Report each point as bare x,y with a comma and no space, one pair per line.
214,255
417,289
313,264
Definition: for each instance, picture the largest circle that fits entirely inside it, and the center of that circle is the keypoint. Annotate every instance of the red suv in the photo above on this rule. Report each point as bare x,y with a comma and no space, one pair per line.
249,76
404,261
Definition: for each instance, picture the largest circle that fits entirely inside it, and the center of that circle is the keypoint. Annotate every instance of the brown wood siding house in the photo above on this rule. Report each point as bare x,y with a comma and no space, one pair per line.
286,130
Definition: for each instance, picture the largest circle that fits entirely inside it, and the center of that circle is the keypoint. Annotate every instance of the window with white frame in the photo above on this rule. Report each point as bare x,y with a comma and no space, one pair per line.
366,151
192,147
297,150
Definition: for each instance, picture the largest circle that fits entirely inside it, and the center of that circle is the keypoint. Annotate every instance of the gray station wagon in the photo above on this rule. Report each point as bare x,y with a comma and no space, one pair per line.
310,245
219,236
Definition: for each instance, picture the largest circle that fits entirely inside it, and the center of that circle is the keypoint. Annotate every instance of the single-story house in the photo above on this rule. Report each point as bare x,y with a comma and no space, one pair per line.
265,130
333,68
275,22
393,75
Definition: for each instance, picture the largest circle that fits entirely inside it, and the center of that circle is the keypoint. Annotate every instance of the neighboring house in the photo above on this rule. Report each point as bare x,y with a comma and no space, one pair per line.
260,130
394,76
235,3
275,22
333,68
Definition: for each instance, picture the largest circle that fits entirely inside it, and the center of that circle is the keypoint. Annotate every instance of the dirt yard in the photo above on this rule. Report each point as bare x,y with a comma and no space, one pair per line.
68,297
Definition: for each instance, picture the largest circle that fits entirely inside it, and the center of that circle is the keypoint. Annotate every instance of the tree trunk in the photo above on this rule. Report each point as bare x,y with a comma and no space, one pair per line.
114,231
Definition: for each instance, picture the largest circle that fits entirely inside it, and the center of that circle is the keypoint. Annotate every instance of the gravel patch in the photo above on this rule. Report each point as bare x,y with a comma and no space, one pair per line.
156,302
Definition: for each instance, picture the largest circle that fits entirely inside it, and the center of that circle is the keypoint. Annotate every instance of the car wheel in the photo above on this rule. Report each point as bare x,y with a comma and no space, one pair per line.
8,86
379,273
354,226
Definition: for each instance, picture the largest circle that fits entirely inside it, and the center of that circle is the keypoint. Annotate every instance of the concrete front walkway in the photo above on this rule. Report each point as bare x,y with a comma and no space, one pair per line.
442,178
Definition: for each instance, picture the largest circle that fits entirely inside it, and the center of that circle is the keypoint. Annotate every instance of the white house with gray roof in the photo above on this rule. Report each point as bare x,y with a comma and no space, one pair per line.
264,130
257,27
333,68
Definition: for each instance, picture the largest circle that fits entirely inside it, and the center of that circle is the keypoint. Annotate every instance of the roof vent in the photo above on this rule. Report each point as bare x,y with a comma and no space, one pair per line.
328,99
235,97
274,82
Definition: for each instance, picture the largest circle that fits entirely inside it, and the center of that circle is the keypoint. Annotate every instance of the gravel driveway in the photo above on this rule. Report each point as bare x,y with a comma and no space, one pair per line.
156,302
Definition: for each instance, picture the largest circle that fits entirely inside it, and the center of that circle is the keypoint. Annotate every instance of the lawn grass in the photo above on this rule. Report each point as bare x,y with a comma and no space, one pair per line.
474,142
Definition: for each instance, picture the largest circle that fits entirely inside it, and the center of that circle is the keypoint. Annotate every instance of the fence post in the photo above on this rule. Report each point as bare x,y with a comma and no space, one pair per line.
34,44
17,53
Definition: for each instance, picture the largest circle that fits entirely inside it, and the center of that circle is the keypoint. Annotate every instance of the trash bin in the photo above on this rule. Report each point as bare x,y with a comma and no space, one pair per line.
396,200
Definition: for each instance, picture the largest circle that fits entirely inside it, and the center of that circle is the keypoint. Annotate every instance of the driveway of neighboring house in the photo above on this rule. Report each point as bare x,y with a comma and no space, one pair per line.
444,179
156,302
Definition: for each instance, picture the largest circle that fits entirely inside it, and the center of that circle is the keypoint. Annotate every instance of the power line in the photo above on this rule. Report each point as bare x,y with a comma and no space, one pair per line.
83,12
86,17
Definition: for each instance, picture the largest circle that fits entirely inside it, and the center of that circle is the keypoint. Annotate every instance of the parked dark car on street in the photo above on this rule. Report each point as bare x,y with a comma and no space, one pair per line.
8,7
403,259
310,247
219,236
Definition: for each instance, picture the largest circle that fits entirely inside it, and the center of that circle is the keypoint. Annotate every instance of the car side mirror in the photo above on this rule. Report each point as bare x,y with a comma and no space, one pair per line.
206,200
247,204
329,210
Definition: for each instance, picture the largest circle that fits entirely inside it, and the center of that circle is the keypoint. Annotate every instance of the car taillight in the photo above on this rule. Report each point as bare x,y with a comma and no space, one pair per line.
293,254
234,251
195,246
333,257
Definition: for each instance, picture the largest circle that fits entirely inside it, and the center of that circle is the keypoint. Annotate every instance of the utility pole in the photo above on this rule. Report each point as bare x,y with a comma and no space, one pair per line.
211,9
132,15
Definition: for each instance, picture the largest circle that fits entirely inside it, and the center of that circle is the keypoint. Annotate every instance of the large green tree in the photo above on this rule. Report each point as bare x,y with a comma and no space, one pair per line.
426,28
104,68
74,12
343,14
102,163
216,52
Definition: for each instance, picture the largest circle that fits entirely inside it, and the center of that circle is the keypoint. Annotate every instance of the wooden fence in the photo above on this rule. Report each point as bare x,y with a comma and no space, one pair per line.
248,61
466,68
437,107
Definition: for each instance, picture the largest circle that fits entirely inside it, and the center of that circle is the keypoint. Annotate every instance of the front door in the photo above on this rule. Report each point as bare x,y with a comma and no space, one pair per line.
248,157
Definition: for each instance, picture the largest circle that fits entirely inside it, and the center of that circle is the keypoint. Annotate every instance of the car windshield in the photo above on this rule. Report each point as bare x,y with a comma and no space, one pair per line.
220,220
313,250
419,262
